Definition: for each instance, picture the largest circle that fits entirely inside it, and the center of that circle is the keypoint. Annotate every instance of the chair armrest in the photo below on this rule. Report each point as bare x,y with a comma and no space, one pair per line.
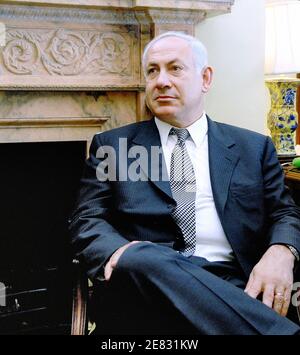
80,298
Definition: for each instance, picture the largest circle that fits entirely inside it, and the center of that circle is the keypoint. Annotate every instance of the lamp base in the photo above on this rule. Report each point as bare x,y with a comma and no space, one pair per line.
283,116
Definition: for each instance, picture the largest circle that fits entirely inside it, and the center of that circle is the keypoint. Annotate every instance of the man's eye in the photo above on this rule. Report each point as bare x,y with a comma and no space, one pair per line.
151,71
177,68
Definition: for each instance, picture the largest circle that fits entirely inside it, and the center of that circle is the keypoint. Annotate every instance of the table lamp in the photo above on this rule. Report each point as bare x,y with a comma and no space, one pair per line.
282,60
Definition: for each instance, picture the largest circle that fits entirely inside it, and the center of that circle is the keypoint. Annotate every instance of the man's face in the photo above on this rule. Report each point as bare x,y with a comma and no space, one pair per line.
174,88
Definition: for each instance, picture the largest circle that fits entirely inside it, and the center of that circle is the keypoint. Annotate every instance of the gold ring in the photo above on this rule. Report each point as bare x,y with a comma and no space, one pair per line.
279,294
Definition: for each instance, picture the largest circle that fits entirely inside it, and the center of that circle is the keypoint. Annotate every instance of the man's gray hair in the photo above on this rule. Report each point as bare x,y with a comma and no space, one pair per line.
199,50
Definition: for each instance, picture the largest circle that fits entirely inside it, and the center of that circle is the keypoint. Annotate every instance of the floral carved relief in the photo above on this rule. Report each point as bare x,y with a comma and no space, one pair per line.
67,52
22,52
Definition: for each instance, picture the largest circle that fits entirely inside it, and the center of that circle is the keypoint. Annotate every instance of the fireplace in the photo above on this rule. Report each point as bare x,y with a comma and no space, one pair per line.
38,186
67,71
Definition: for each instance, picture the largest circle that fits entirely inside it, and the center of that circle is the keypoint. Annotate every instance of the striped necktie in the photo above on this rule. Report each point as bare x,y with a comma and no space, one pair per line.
183,186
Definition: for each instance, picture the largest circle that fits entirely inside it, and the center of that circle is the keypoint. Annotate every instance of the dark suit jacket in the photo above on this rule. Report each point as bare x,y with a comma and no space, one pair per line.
252,202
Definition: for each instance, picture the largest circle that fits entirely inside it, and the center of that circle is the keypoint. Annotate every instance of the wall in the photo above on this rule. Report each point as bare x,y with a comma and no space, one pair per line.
235,44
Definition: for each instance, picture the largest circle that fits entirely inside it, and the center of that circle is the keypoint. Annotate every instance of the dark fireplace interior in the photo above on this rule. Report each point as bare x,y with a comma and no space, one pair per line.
38,188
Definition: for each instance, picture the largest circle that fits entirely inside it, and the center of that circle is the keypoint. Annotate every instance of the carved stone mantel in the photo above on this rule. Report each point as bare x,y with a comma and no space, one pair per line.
81,47
95,44
211,5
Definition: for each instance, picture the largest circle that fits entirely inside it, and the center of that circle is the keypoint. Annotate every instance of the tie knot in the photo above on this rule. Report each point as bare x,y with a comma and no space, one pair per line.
181,133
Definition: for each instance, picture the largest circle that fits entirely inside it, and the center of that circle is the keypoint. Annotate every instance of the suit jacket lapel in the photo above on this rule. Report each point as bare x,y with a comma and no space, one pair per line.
149,138
222,161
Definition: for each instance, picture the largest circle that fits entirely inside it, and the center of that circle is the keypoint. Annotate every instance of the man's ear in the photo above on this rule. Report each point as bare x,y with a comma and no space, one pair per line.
207,76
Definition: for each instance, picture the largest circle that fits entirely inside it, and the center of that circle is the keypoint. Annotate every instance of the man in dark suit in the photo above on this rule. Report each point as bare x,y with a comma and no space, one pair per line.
184,224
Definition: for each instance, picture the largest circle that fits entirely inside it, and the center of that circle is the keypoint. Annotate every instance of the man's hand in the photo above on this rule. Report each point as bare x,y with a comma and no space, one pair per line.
273,277
112,262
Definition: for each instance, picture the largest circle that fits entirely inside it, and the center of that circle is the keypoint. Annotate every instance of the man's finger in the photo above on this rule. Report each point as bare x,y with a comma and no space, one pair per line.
268,295
113,261
286,302
278,301
107,271
115,258
250,281
253,289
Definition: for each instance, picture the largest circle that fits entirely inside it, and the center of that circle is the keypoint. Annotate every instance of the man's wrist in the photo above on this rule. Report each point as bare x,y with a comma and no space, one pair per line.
294,251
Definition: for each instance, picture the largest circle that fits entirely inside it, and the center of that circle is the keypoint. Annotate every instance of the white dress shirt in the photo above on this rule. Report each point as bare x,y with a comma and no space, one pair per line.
211,241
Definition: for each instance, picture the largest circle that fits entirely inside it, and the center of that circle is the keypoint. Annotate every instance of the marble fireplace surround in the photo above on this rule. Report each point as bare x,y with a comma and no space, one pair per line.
69,69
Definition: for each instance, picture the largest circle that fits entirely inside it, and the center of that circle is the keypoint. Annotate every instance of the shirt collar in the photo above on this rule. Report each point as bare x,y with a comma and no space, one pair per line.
197,130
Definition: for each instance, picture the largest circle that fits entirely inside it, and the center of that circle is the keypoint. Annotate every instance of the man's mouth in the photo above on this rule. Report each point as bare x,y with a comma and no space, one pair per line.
164,98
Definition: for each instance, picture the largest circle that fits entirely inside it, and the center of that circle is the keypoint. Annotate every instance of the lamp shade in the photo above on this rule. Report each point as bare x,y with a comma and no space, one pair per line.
282,53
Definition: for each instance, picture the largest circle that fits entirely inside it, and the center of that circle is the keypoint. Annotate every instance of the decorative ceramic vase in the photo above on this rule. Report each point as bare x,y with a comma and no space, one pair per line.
283,117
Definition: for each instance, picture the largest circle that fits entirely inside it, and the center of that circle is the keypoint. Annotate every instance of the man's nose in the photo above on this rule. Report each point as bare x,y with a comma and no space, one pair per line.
163,79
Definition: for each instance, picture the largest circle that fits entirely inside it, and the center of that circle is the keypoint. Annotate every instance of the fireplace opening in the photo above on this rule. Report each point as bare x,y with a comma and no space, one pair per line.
38,187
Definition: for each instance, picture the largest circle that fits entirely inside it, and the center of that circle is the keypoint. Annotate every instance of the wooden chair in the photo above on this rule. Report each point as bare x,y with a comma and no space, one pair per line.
80,301
81,297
